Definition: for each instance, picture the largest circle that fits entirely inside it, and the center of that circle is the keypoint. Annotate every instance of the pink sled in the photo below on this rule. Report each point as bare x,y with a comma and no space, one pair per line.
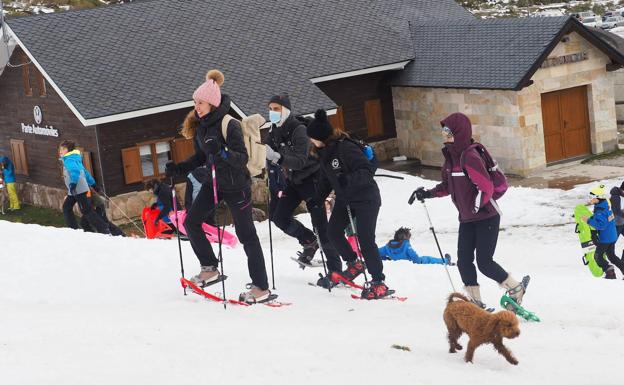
228,239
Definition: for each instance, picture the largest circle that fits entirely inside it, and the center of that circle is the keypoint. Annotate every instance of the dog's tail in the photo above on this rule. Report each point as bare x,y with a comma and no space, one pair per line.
458,296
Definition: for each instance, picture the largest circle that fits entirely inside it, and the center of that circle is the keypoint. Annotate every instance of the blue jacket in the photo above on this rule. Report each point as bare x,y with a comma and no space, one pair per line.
402,250
603,221
9,170
75,172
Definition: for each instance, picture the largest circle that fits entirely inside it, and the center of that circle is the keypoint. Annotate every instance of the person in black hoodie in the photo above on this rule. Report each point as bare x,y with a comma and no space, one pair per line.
347,170
294,173
616,205
204,125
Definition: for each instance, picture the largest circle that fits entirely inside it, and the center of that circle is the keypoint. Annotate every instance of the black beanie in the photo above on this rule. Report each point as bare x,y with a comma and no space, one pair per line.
320,128
281,99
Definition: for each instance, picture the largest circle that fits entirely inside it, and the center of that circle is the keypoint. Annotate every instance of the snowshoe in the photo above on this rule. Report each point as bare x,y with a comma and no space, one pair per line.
209,275
303,263
610,273
376,290
256,295
507,302
309,250
353,270
326,281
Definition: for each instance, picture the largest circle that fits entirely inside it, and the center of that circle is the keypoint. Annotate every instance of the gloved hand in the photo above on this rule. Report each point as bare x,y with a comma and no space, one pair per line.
212,146
72,188
272,155
172,170
421,194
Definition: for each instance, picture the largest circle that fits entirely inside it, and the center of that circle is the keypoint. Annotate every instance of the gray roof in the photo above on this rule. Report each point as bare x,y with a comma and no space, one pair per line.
487,54
130,57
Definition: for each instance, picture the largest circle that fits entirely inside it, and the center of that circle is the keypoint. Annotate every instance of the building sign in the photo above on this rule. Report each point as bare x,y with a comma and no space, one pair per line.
36,129
566,59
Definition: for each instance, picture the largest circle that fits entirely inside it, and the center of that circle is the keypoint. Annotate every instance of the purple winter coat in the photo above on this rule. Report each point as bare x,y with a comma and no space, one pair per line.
473,201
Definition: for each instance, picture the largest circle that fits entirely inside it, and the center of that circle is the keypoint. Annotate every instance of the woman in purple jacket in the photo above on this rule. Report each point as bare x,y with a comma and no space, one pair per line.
479,216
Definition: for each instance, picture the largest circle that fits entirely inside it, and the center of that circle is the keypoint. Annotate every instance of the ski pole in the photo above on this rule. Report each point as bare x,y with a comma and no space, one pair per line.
437,243
122,212
270,219
318,241
357,239
175,210
389,176
216,203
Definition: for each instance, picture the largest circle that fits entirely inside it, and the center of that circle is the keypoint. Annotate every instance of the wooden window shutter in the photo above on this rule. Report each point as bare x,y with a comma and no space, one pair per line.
26,75
86,160
132,165
374,120
18,152
337,120
41,84
182,149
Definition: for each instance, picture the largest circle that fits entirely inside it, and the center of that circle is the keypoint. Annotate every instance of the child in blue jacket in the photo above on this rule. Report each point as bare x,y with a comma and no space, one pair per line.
603,221
399,248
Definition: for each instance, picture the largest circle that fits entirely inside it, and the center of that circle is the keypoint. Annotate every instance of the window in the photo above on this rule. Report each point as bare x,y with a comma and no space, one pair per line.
148,160
18,153
26,75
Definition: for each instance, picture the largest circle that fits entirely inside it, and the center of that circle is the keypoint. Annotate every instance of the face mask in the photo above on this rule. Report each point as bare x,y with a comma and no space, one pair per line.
275,116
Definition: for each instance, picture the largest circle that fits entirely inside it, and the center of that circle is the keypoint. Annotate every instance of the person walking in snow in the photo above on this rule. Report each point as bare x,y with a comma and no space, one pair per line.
229,156
78,181
346,170
479,216
399,248
8,171
604,222
294,173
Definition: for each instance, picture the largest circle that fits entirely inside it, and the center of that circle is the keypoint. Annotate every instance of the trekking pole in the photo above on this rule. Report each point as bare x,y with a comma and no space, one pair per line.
389,176
122,212
270,219
318,241
437,243
219,236
175,210
357,239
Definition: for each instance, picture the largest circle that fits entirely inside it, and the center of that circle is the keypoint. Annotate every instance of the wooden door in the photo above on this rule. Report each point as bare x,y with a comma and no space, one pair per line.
566,124
374,120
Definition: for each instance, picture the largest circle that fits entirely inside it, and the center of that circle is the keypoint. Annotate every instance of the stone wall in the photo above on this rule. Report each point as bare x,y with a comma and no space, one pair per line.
509,123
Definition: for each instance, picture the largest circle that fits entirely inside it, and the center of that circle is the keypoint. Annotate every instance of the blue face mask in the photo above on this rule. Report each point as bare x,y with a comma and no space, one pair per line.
275,116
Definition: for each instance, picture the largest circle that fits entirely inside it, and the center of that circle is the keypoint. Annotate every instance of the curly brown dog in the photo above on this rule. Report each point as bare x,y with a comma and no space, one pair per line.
462,316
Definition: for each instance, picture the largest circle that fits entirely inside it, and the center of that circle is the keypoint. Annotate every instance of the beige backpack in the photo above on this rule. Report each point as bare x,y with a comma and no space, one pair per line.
251,135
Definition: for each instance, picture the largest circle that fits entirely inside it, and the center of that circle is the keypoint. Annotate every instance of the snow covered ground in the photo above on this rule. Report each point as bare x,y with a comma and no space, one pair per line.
81,308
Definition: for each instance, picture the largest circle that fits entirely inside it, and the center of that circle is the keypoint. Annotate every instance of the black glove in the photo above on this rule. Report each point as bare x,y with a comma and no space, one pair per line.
421,194
172,170
72,188
212,146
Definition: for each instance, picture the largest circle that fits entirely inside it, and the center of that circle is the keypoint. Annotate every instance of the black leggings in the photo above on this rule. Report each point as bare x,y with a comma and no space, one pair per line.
608,250
86,209
480,236
366,224
240,206
283,207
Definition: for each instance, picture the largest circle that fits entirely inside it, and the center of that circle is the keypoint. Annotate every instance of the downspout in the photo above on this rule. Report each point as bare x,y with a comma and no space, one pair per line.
97,143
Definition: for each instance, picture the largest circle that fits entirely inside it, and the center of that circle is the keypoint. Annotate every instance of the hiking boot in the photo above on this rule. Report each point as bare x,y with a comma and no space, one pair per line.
254,295
474,293
207,276
354,268
326,281
515,289
610,273
376,290
308,252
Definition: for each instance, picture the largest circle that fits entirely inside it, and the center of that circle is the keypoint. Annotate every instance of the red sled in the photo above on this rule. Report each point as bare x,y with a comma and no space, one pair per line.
155,230
227,239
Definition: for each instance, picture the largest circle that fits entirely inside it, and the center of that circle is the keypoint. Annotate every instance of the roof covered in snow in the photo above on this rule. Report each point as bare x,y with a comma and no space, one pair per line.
489,54
117,59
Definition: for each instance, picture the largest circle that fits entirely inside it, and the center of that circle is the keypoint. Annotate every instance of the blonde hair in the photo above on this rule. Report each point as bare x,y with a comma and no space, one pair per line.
190,124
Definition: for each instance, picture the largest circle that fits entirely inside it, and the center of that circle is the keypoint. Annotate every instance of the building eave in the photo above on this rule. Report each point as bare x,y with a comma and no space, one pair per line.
387,67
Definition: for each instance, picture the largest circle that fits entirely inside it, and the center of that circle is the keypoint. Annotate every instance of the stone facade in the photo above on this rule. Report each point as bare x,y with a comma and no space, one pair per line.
509,123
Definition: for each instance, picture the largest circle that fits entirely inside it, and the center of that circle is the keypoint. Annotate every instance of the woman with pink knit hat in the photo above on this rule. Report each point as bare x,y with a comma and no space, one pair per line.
204,126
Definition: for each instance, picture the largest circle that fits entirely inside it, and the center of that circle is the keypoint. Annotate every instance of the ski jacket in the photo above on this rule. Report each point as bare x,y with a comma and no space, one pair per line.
75,172
616,205
293,144
347,171
402,250
603,221
472,196
231,161
8,170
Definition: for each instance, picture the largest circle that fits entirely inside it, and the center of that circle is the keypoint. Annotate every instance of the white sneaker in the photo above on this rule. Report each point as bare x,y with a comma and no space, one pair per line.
254,295
207,276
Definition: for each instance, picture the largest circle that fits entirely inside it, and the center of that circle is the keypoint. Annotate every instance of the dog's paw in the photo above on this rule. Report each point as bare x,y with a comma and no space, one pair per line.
452,350
513,361
458,347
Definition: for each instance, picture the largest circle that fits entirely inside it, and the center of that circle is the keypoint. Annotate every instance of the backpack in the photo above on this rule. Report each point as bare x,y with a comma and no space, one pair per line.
368,151
251,136
496,174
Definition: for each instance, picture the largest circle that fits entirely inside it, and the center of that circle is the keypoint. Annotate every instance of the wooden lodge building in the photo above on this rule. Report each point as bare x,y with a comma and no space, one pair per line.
119,79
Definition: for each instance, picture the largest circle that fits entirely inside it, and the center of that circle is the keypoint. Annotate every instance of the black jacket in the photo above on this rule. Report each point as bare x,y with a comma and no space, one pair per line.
293,144
231,161
347,171
163,195
616,205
